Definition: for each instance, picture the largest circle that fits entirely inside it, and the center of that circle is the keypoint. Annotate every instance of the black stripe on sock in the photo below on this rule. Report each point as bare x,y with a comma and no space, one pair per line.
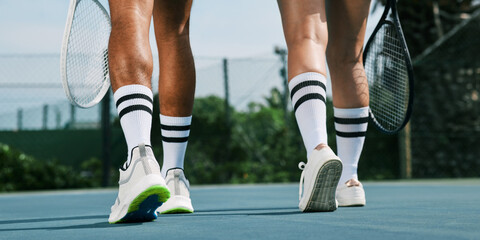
134,96
351,134
175,139
134,108
175,128
351,120
306,84
308,97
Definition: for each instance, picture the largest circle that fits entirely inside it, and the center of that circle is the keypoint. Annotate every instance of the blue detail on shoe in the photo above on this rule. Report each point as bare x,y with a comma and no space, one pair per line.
142,208
146,211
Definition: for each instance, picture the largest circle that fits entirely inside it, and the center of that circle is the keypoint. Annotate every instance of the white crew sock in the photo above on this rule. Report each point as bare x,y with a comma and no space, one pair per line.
351,127
134,106
175,132
307,91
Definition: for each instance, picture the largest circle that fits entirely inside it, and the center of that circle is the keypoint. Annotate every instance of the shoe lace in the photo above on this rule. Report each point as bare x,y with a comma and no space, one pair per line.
301,166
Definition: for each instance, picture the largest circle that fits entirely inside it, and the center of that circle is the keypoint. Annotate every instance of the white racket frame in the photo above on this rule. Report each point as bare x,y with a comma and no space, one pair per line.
64,52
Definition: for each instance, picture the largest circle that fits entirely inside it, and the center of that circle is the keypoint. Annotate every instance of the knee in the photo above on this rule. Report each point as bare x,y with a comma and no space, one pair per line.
130,59
129,29
173,25
130,66
309,31
130,17
174,32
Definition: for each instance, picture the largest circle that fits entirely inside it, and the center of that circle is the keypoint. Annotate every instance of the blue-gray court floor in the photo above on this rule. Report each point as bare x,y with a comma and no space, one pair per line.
431,209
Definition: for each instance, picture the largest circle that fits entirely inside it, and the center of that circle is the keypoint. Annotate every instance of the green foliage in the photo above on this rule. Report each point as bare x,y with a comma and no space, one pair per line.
91,171
22,172
263,144
271,145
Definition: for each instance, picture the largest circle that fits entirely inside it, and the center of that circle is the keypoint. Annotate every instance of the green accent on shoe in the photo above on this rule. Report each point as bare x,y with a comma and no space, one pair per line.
142,208
162,192
177,210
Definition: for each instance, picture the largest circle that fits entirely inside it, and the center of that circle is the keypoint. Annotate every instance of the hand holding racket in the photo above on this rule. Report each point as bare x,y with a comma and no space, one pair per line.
84,57
389,73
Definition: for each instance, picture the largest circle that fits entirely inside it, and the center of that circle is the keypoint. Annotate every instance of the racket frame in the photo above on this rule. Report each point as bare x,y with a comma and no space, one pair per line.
64,53
392,5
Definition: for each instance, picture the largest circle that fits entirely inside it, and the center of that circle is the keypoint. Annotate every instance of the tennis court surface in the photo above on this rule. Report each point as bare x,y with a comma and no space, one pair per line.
433,209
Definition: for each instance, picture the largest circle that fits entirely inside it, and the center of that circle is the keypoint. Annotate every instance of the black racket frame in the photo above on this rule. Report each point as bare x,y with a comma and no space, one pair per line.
392,5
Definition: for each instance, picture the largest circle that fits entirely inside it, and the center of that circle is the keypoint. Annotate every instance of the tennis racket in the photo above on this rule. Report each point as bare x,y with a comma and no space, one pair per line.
389,73
84,57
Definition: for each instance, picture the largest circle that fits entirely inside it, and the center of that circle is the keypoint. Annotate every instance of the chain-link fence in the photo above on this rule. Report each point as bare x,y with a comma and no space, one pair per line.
36,118
32,97
445,133
257,134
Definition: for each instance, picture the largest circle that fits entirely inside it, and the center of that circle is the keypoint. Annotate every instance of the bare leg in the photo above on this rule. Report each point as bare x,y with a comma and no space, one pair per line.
131,64
177,71
305,28
347,22
346,25
129,53
176,95
130,61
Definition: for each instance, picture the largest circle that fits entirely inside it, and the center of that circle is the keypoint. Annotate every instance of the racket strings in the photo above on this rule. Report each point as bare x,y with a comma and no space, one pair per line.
387,76
87,58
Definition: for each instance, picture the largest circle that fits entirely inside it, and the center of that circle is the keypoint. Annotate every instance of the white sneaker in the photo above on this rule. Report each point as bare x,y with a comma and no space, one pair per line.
142,189
319,178
180,201
349,195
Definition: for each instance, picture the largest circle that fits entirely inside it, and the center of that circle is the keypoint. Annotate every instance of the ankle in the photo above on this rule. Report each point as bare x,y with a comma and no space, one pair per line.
352,183
321,146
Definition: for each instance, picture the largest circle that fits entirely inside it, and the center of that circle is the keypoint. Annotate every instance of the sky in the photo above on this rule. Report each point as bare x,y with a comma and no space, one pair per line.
245,31
219,28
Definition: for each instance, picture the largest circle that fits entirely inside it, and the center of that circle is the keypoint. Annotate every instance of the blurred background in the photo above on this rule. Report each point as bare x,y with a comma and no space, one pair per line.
243,128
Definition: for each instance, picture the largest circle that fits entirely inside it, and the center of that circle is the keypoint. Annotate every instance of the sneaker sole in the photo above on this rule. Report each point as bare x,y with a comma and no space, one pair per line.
360,204
351,197
177,210
353,202
323,195
142,208
176,204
